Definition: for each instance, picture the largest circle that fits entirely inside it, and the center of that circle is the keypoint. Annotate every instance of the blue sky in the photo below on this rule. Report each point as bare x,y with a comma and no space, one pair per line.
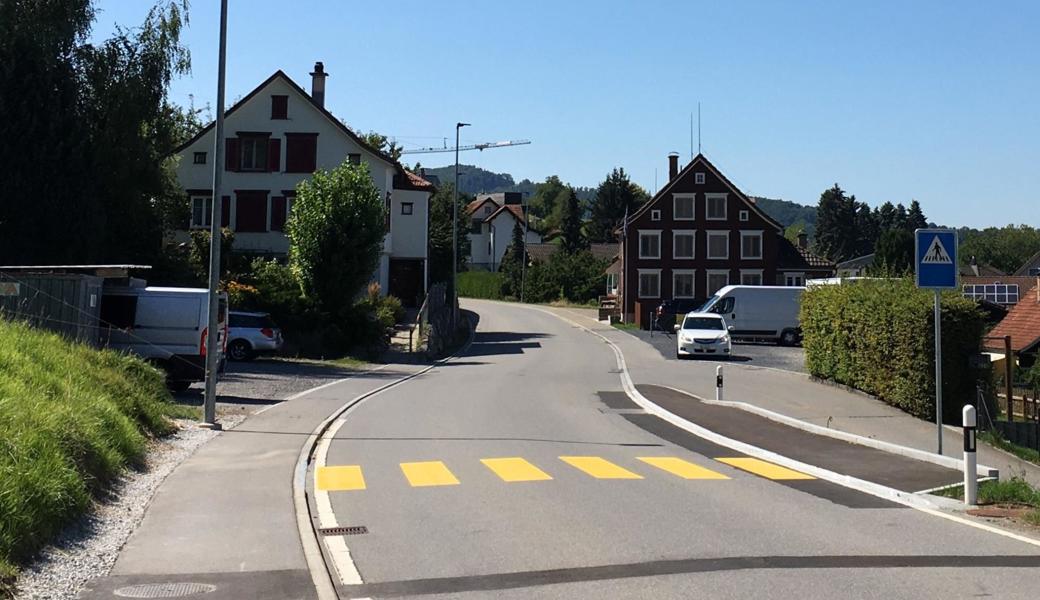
938,101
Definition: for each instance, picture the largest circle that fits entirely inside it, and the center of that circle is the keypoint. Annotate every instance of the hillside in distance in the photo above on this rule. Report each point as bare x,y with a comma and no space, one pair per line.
475,180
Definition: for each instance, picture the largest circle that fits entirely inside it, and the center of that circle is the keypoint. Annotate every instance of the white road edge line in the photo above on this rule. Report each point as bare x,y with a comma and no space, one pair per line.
339,553
906,499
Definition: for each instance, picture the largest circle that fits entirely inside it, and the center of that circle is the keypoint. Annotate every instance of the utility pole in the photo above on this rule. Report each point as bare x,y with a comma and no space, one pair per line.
455,235
523,263
209,418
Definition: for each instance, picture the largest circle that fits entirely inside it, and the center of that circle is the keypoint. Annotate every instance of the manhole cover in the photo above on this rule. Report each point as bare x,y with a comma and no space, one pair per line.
164,590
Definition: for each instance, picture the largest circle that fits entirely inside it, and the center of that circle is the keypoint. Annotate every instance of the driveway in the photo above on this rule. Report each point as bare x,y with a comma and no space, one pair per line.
246,387
749,353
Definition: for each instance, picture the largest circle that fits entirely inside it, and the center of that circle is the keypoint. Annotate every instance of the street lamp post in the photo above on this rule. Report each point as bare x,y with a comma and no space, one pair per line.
209,418
454,233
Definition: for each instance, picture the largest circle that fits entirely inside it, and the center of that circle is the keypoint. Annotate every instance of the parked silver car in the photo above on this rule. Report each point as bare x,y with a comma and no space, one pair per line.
252,333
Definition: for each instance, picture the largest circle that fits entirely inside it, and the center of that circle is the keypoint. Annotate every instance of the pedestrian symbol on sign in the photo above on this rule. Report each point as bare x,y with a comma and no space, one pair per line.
936,254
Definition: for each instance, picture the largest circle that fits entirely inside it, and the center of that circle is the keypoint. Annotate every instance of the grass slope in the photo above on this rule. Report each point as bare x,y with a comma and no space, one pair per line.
71,419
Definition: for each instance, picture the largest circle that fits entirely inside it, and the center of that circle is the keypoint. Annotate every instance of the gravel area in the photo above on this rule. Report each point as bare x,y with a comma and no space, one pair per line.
88,549
748,353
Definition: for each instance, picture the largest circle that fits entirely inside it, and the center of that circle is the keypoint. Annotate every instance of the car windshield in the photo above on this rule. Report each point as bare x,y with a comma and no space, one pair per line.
702,323
709,304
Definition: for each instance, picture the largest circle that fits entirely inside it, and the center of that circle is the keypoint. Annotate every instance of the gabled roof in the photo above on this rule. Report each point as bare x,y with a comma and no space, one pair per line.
857,263
1022,323
795,258
976,269
299,90
411,181
476,204
513,209
1033,262
700,159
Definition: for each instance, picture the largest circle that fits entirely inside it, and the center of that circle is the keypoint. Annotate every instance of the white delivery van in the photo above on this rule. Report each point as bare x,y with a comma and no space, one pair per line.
762,312
164,325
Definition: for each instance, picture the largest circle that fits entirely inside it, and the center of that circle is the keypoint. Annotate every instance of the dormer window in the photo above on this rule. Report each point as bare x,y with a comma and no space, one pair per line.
279,107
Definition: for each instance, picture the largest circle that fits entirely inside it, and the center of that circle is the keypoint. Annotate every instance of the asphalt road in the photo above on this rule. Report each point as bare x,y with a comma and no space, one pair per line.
754,354
518,471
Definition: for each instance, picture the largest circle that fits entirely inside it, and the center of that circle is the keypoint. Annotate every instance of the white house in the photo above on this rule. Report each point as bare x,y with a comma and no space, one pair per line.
491,231
276,137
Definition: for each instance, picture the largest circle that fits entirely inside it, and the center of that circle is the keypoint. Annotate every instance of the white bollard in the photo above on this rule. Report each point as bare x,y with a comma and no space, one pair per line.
718,383
971,483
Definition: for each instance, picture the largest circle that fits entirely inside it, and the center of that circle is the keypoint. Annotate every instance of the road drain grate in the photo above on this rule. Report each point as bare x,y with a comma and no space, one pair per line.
355,530
164,590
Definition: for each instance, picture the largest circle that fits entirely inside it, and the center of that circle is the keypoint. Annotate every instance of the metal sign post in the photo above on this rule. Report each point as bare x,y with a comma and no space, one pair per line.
935,253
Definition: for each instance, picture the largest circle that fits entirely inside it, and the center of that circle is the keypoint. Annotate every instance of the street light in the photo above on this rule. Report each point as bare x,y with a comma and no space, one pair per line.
209,417
454,233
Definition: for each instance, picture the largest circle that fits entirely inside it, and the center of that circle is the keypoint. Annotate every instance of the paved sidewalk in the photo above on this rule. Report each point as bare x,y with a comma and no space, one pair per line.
796,395
225,517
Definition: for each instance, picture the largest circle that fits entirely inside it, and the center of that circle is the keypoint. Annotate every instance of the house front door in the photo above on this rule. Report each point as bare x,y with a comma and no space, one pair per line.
406,280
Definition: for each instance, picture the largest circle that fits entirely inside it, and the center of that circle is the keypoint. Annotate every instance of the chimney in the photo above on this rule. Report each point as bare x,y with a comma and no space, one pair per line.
318,83
673,165
803,240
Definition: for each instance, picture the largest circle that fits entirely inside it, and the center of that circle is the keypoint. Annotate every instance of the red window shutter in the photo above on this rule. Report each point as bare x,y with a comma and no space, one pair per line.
231,154
274,155
311,154
251,211
225,211
278,213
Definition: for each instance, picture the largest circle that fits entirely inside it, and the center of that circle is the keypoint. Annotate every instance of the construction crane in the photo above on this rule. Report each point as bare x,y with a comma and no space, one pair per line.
480,147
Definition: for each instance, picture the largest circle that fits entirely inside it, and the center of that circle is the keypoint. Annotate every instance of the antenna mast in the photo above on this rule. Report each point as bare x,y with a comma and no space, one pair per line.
698,128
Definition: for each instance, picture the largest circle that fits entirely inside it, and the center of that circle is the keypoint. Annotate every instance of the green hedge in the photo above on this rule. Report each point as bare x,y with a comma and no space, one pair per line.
878,336
480,284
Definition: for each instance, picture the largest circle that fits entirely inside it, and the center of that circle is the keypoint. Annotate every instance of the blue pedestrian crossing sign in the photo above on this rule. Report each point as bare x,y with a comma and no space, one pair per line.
935,252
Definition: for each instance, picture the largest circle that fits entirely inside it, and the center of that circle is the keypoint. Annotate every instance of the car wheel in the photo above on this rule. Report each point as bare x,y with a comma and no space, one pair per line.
240,350
788,338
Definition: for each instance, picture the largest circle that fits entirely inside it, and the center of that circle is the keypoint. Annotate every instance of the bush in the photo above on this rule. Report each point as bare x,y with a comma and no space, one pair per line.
336,232
577,277
480,284
877,336
71,419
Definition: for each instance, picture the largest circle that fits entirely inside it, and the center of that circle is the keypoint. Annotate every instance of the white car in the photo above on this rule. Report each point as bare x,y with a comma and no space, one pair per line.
704,334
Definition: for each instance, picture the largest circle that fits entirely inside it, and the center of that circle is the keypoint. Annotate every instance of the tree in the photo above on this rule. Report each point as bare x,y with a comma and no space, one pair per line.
867,230
901,217
90,175
545,202
440,233
1006,248
335,234
836,225
615,197
894,252
886,216
383,144
915,218
513,263
573,237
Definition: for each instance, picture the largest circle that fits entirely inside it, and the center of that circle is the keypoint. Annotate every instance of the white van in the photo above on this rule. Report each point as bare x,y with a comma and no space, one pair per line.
759,312
164,325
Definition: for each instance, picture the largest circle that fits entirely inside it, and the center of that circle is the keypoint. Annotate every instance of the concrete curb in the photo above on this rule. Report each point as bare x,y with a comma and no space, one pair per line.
321,574
935,506
852,438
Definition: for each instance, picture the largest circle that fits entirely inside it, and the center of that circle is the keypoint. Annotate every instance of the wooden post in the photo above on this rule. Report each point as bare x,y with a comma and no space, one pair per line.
1008,376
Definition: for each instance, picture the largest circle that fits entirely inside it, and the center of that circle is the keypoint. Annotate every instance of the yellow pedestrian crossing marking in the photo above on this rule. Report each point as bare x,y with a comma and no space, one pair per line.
599,468
337,479
681,468
764,469
515,469
428,473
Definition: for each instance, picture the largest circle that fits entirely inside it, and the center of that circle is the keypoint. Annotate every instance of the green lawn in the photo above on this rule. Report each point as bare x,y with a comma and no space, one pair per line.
480,284
71,419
